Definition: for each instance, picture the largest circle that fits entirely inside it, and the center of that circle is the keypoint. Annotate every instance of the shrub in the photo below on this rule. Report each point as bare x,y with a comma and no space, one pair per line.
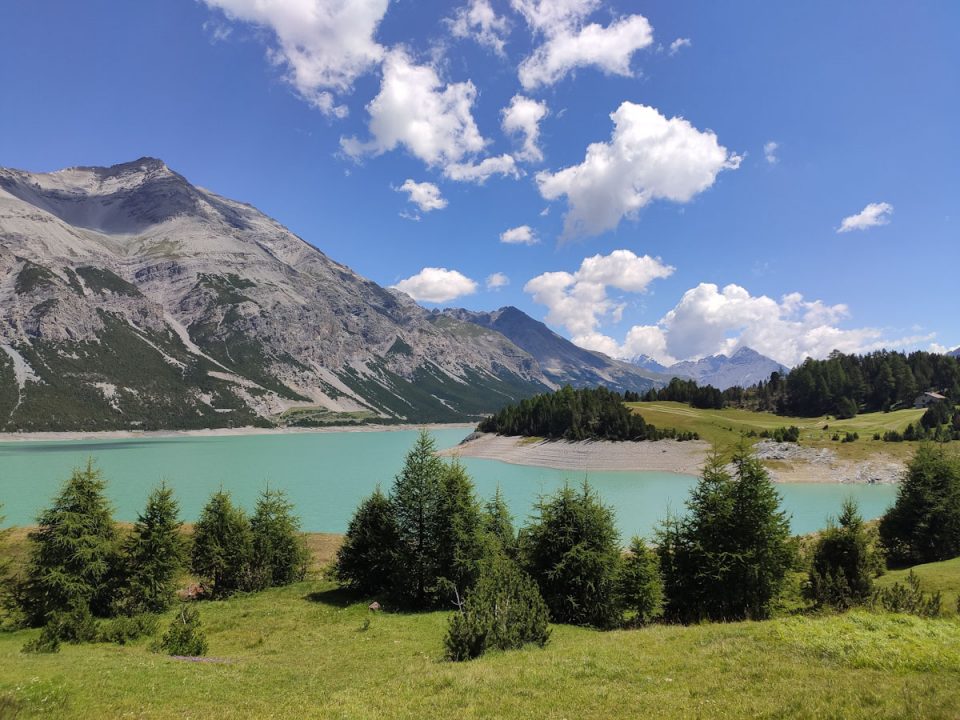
572,550
365,561
46,642
727,559
184,636
909,598
280,555
844,563
641,589
73,559
222,547
504,611
924,524
124,629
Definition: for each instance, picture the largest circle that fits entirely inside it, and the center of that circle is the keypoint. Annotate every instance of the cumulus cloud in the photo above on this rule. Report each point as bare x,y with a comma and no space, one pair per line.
437,285
522,117
432,120
578,301
872,215
424,195
521,235
569,44
770,152
648,157
324,45
479,22
497,280
679,44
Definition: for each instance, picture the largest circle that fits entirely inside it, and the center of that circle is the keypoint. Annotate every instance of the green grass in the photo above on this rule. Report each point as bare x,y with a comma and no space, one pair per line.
307,651
724,427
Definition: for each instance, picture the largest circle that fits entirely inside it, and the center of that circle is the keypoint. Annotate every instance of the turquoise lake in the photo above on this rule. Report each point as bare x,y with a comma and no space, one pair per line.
327,474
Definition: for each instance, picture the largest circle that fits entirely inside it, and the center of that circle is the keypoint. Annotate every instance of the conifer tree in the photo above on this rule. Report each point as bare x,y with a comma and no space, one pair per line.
222,547
73,557
640,586
460,542
416,498
572,550
498,522
280,555
154,555
844,563
366,560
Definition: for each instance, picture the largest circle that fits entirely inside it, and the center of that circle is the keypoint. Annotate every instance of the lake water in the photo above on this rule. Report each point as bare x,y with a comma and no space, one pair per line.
327,474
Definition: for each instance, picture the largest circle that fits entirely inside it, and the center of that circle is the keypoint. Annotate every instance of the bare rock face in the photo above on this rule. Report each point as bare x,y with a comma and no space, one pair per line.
196,310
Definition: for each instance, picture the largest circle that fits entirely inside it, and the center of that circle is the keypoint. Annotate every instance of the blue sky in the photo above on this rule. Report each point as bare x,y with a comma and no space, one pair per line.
706,215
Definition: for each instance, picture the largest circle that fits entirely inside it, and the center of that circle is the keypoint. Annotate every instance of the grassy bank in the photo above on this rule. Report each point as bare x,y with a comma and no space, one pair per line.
309,650
726,426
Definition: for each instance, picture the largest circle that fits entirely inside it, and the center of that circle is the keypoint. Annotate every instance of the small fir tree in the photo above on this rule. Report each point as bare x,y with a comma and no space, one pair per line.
184,637
641,589
73,558
460,542
222,547
154,555
280,555
572,550
498,523
367,558
844,563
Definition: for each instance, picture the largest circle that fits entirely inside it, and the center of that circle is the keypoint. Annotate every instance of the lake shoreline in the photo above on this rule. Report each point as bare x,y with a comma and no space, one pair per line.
218,432
666,456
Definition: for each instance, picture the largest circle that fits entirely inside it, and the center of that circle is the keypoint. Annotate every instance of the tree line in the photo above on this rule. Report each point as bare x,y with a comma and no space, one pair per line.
85,579
581,414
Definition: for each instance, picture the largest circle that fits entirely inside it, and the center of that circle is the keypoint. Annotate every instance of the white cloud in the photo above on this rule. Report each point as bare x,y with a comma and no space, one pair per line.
521,235
497,280
479,172
432,120
437,285
569,45
872,215
770,152
578,301
479,21
678,44
323,44
649,157
424,195
522,117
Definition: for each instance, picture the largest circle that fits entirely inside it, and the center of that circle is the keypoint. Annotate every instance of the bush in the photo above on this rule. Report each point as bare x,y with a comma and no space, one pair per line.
909,598
727,559
184,636
222,547
280,555
365,560
844,563
46,642
504,611
124,629
640,586
572,550
924,524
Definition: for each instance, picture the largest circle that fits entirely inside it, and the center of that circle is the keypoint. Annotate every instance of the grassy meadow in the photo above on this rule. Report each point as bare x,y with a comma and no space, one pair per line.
725,427
309,650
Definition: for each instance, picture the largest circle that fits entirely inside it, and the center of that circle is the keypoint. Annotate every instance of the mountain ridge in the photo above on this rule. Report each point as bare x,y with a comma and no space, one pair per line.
743,368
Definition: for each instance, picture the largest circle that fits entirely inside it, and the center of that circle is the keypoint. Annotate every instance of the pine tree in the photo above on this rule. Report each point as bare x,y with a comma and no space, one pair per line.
280,555
73,557
572,550
222,547
460,542
640,586
498,522
844,563
154,555
416,498
367,558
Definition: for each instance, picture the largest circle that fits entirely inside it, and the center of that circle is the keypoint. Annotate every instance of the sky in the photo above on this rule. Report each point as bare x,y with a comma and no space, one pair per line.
670,179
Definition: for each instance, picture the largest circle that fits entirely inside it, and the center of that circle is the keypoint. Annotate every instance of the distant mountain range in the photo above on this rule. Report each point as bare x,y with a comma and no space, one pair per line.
130,298
954,353
744,368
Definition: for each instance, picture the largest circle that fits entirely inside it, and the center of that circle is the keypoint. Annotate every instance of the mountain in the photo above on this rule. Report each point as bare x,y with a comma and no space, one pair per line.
954,353
561,361
130,298
744,368
648,363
